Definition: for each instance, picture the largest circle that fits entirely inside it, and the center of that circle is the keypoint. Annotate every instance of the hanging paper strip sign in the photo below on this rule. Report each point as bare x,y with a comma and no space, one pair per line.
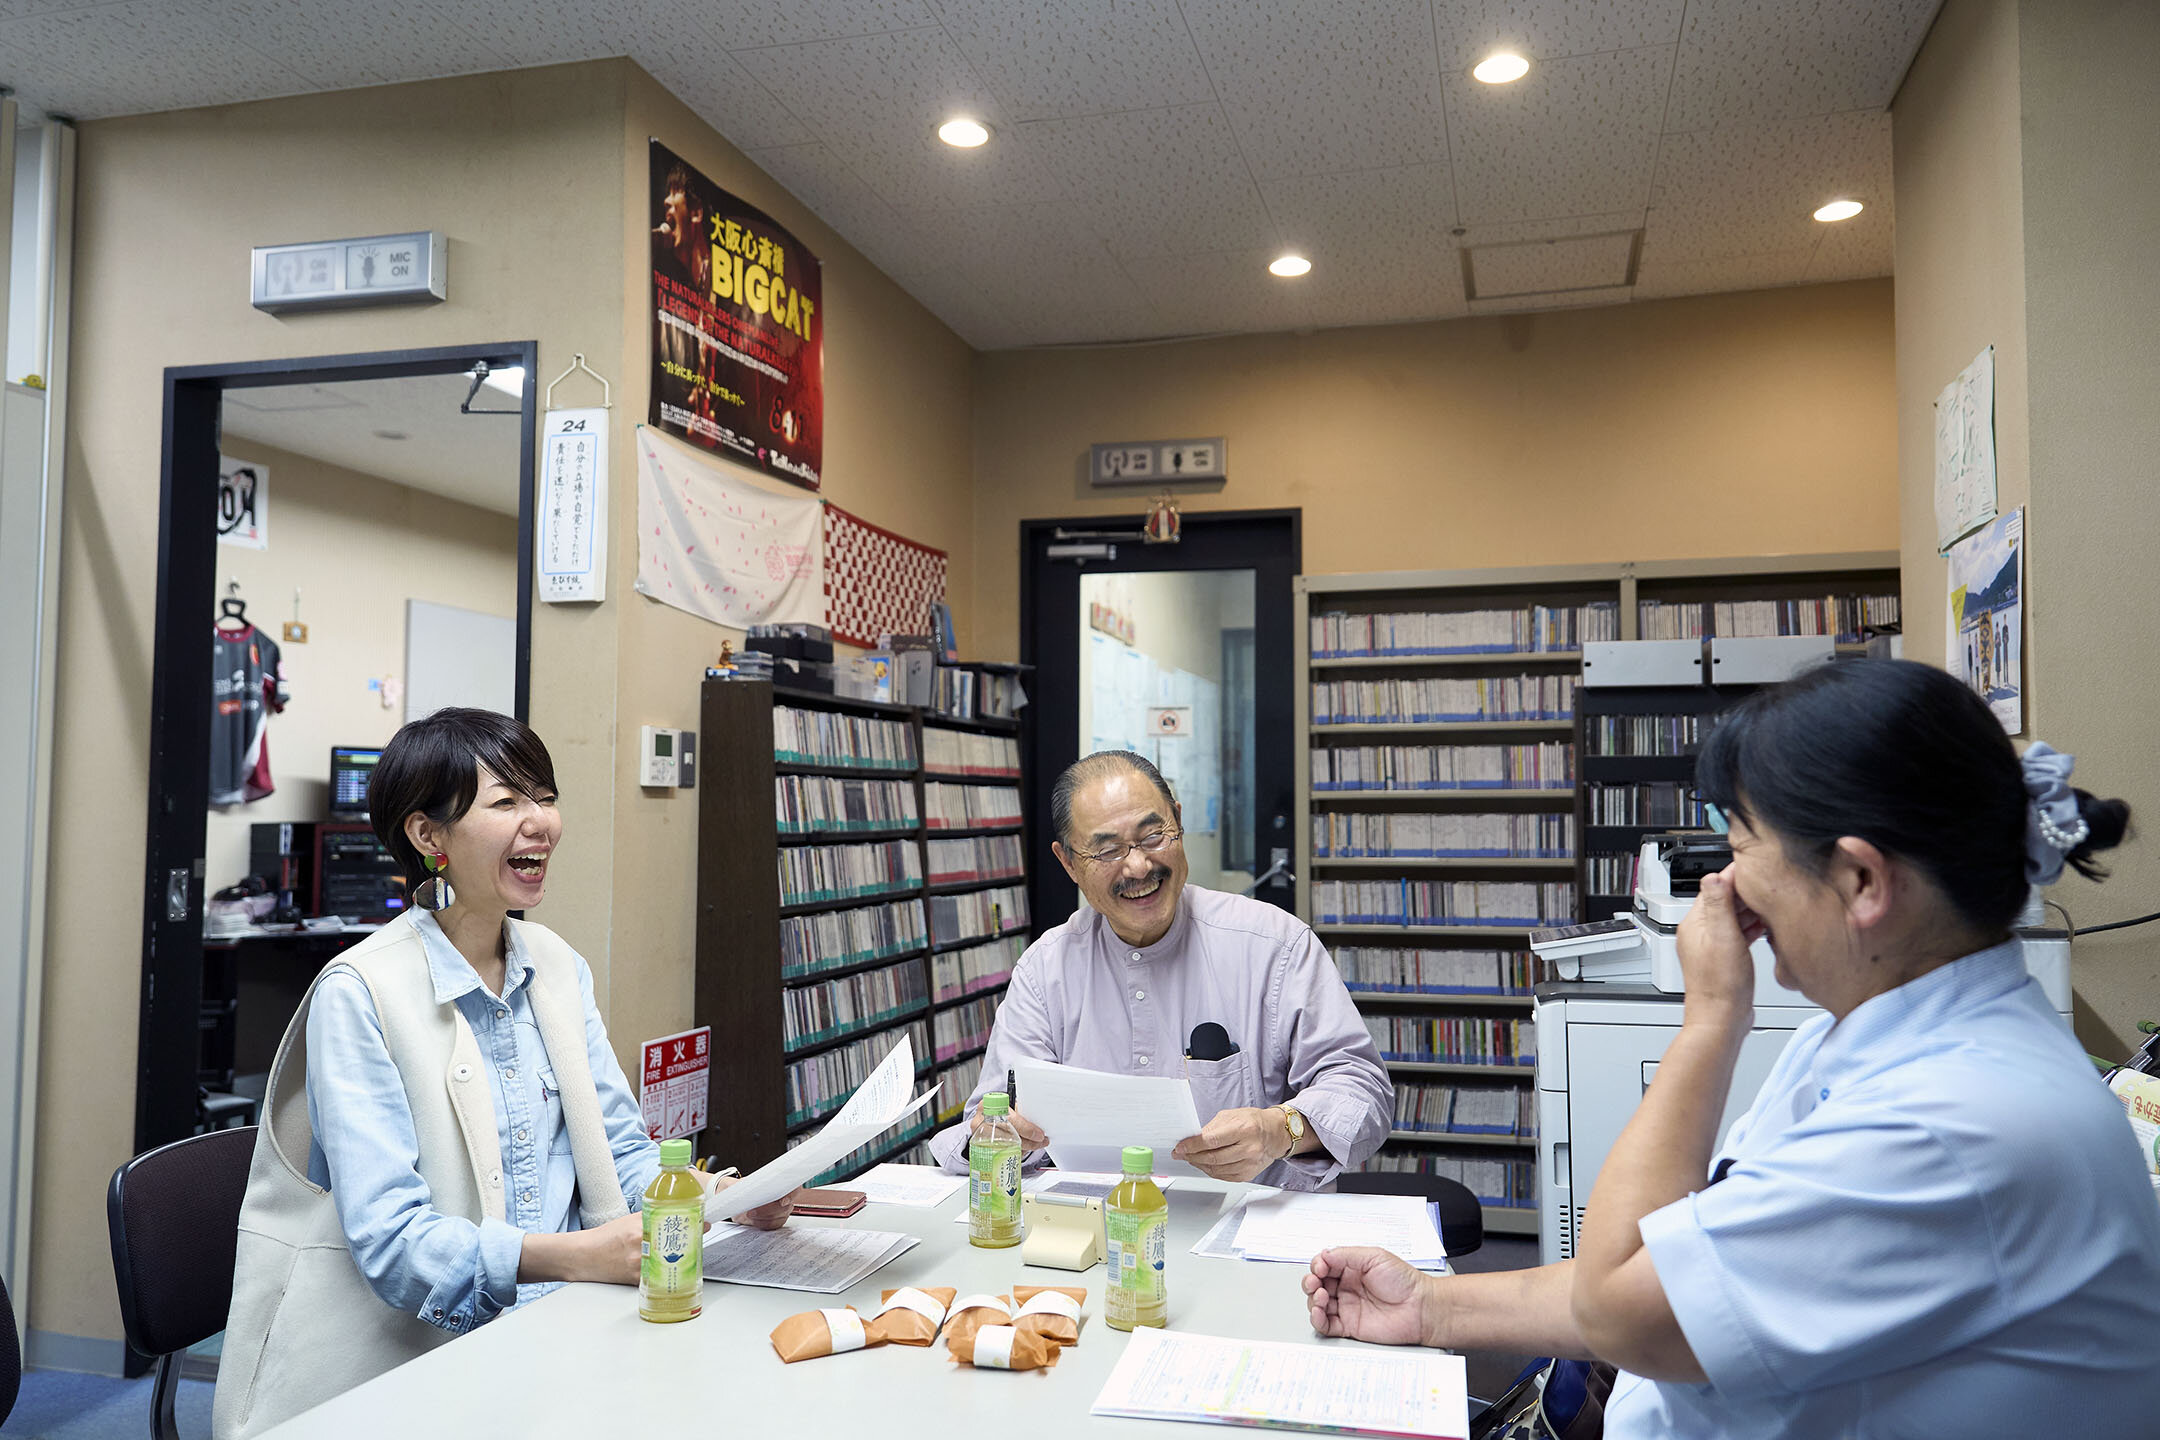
713,542
738,327
876,582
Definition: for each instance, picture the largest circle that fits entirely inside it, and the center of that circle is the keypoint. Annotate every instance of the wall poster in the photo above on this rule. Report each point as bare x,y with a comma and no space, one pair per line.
1987,607
738,327
243,503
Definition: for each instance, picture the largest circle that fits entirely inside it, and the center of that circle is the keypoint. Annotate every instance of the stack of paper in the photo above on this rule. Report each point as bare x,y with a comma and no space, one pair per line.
880,1103
923,1186
1290,1226
800,1257
1167,1375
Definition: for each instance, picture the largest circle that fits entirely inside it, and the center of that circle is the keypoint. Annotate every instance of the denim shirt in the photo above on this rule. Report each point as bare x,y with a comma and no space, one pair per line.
445,1269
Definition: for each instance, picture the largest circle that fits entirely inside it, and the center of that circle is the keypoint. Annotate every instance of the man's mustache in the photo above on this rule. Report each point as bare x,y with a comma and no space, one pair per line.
1128,885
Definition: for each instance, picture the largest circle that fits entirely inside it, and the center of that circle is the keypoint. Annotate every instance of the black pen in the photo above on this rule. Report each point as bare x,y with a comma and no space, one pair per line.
1012,1093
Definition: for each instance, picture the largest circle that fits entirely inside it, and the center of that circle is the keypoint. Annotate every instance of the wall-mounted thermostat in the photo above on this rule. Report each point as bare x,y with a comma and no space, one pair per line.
657,765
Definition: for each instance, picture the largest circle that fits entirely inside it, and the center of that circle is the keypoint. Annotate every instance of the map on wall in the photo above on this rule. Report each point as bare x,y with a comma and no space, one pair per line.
1124,684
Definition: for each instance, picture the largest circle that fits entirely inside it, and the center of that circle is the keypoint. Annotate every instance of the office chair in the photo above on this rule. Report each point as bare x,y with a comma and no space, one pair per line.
1462,1219
10,1356
174,1217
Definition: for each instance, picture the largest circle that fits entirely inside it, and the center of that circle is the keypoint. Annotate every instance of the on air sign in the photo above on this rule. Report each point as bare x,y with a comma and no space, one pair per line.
674,1080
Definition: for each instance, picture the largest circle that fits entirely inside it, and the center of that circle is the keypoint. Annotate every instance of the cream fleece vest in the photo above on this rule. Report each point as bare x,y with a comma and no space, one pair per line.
304,1326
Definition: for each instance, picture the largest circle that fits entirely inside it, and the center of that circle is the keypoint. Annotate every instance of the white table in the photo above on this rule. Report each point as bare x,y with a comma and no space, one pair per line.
581,1363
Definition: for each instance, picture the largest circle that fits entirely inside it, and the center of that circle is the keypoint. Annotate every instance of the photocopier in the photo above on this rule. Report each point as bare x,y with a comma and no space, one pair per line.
1605,1023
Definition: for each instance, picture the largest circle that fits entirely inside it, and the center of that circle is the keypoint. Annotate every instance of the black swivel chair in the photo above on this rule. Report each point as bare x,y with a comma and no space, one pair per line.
174,1214
1462,1219
10,1356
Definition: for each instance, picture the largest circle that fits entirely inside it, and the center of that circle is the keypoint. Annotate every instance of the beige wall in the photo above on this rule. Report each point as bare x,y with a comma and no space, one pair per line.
1960,276
538,179
357,547
1756,423
2026,199
2091,113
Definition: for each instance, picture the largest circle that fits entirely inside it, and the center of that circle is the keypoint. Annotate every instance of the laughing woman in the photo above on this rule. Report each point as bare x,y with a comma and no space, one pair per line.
449,1134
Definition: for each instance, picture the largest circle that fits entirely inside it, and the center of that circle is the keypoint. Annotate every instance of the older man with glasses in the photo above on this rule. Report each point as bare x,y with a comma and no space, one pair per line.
1152,976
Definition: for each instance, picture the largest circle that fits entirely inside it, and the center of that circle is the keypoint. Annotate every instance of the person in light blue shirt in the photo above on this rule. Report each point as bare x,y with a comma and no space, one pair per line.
1933,1220
469,796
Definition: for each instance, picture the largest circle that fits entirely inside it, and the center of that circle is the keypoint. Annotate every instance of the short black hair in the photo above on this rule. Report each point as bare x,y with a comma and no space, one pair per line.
432,766
1903,756
1094,767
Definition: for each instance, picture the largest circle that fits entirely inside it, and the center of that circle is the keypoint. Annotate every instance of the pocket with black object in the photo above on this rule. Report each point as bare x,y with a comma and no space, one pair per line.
1209,1041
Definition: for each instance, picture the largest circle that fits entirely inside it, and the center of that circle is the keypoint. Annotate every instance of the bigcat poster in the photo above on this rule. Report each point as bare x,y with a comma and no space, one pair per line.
738,327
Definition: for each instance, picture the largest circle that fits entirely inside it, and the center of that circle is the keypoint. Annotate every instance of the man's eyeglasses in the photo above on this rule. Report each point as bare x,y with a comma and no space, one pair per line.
1153,843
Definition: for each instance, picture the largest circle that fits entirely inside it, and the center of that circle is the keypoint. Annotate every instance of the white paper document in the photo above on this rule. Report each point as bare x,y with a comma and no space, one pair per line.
800,1257
1170,1375
924,1186
1225,1239
1091,1116
880,1103
1289,1225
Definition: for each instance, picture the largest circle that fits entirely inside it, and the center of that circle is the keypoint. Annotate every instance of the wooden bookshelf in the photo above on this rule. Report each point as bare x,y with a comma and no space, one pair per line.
740,986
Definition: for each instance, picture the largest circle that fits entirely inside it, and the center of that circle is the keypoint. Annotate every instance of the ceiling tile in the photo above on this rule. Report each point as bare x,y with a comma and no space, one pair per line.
1045,58
143,56
1470,30
1537,267
1571,300
21,9
1384,288
1754,191
690,61
1571,138
1733,272
1747,62
1156,182
1348,85
1067,298
878,100
557,32
748,24
957,301
333,45
993,233
1856,249
1409,208
1508,232
1229,290
816,175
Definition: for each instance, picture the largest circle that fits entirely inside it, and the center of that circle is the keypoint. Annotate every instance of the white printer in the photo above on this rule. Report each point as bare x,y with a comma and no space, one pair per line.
1605,1024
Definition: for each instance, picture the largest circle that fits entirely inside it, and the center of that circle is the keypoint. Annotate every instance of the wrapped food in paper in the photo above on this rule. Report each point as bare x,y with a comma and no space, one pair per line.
821,1332
971,1312
910,1315
1051,1311
1001,1347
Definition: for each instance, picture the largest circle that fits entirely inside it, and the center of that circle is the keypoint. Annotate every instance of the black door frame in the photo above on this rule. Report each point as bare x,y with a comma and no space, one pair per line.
168,1043
1270,543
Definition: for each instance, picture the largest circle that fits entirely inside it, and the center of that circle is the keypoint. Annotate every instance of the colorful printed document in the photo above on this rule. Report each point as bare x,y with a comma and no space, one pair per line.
1338,1389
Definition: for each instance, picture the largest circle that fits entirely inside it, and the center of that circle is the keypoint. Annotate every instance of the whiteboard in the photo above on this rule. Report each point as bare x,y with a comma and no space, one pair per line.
1124,682
458,657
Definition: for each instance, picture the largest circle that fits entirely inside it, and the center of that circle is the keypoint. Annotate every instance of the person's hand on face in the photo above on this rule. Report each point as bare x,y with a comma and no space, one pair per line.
1365,1294
1236,1144
1714,958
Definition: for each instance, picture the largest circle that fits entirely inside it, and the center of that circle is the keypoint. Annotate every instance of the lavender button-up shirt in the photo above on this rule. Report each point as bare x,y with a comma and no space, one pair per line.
1081,996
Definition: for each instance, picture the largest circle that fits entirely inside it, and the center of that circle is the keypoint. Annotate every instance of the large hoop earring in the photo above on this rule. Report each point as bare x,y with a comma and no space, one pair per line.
434,893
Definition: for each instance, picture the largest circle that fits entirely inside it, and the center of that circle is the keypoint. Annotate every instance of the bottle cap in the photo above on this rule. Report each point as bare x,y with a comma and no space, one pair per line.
674,1152
997,1102
1139,1160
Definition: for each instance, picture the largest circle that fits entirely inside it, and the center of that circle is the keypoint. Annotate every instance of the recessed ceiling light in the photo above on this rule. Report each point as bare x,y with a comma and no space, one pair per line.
1289,266
1839,210
963,134
392,435
1501,67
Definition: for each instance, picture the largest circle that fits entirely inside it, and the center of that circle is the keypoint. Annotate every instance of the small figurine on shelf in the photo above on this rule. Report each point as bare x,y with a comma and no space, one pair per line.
727,657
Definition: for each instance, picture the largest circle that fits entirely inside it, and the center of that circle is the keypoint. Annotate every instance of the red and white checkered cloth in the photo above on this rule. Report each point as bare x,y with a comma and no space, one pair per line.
876,582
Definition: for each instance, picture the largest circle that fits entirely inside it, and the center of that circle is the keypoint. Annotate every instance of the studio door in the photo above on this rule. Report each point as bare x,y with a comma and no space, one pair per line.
1181,653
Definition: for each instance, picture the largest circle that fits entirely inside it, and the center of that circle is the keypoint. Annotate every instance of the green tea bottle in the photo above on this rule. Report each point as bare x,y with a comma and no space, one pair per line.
1136,1221
994,1177
671,1277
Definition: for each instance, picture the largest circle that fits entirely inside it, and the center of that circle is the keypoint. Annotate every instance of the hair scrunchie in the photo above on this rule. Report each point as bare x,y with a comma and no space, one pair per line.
2053,825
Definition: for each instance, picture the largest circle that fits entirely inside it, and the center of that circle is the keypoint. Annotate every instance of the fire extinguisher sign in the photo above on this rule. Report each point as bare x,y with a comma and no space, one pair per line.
674,1080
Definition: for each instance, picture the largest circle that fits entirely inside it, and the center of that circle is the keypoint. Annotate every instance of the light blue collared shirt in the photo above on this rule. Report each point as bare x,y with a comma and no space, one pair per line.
1935,1222
444,1268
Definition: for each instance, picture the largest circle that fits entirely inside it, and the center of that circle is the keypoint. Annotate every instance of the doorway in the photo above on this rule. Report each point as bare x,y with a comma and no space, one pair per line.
1181,653
404,482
